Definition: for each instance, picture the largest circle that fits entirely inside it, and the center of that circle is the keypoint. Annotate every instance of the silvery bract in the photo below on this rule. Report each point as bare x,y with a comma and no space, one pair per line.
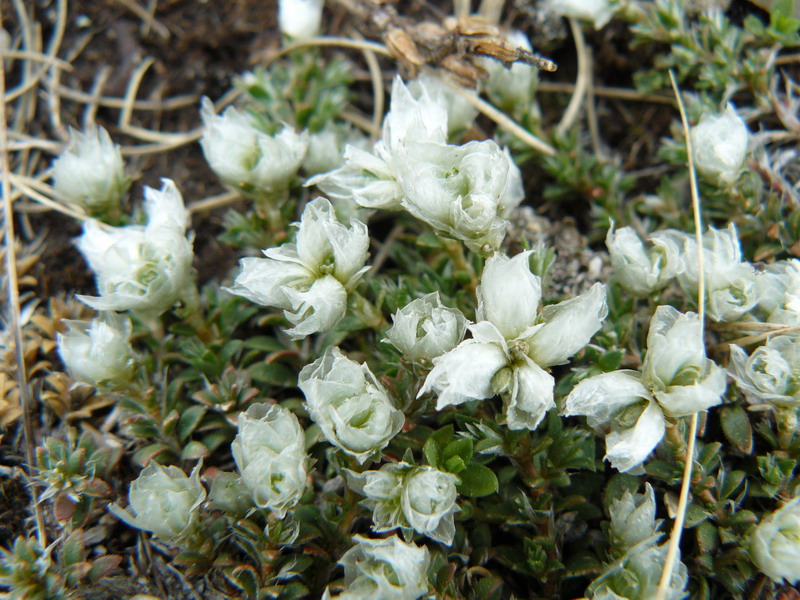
349,404
720,143
142,268
731,289
165,501
771,374
510,88
779,291
229,494
775,544
676,380
98,352
636,576
311,277
513,343
638,269
424,329
460,112
269,451
461,191
403,495
244,156
300,19
385,569
597,12
90,172
326,148
633,518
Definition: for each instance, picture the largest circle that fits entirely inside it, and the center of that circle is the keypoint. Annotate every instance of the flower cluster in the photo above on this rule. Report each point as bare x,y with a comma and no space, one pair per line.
776,541
98,353
311,277
513,343
676,380
720,146
771,373
403,495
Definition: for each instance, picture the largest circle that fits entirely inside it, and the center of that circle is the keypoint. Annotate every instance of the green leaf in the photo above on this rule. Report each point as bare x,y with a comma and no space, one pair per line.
432,452
461,447
265,343
189,421
454,464
737,428
477,480
273,373
72,551
194,450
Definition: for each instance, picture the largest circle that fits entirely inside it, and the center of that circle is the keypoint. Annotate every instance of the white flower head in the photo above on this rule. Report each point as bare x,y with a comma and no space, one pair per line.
779,291
639,270
326,148
402,495
142,268
98,352
775,544
311,277
513,343
386,568
676,380
633,518
349,404
511,88
460,112
244,156
300,19
90,172
597,12
424,329
771,373
720,145
165,501
269,451
410,119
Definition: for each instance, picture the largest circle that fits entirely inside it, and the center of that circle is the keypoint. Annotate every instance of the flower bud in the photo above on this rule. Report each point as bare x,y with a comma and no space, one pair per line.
300,19
424,329
597,12
269,451
244,156
98,352
384,568
775,544
460,112
771,374
637,577
638,270
511,88
90,172
165,501
720,143
633,518
349,404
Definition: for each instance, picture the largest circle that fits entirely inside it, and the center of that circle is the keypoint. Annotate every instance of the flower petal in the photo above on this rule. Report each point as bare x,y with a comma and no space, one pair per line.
629,448
600,397
531,397
684,400
509,294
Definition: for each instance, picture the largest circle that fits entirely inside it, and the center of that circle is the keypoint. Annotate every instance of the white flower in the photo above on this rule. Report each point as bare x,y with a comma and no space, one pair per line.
775,544
720,145
165,501
677,380
142,268
771,374
598,12
512,345
269,451
424,329
779,291
511,88
639,270
731,289
410,119
349,404
244,156
460,112
633,518
98,352
385,569
461,191
418,498
90,172
311,277
300,19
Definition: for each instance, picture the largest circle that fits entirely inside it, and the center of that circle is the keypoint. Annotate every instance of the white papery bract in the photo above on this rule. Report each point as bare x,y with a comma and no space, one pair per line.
98,352
513,343
385,569
720,144
639,270
771,374
244,156
269,451
412,119
165,501
146,269
633,518
403,495
677,380
730,283
349,404
311,277
779,291
424,329
460,112
597,12
300,19
510,88
90,171
775,544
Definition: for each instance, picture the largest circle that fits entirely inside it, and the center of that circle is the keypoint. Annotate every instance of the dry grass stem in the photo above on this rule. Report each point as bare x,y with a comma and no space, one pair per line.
213,202
581,83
